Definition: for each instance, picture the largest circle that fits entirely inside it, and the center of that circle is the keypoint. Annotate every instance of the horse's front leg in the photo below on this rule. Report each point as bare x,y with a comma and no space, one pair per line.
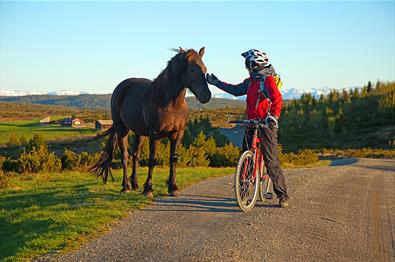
151,164
175,141
123,145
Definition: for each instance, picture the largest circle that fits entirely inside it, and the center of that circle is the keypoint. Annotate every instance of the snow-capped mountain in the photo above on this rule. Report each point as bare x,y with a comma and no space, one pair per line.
316,92
66,93
31,93
288,93
228,96
291,93
19,93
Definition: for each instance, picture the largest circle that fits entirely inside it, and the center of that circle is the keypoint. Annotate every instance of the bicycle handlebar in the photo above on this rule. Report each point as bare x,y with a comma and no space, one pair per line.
249,123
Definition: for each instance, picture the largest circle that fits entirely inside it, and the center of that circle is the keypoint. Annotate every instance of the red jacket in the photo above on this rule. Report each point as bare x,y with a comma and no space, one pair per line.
250,87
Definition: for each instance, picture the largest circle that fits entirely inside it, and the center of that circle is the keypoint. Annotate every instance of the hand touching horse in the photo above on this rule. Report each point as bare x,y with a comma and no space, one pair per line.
154,109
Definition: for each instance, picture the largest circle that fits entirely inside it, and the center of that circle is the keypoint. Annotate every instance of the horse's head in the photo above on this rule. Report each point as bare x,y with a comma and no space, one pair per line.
194,76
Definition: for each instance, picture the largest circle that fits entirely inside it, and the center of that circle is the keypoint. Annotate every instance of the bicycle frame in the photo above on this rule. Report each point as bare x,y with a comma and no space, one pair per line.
255,148
250,178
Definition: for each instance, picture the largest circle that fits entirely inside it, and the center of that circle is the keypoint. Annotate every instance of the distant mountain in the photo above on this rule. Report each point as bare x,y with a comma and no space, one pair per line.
102,101
288,93
90,101
291,93
67,93
52,93
19,93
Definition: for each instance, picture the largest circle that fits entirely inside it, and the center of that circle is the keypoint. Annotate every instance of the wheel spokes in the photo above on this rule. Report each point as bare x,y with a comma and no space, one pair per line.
246,181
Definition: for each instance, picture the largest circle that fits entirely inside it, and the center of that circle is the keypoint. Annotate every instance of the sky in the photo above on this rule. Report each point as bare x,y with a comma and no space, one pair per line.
92,46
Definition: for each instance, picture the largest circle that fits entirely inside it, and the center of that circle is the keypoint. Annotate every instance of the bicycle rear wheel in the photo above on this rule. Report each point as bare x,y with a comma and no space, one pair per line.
246,186
265,188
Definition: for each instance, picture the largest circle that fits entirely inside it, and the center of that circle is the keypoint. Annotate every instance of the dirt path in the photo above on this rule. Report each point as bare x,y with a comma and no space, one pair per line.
339,213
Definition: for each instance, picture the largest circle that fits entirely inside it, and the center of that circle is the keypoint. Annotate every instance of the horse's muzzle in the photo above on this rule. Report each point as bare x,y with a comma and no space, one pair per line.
205,98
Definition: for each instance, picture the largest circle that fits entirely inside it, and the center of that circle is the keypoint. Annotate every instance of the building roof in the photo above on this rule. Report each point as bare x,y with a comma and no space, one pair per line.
77,119
105,122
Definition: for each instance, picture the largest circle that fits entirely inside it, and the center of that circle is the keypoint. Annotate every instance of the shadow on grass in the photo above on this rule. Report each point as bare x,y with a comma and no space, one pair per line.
15,235
28,216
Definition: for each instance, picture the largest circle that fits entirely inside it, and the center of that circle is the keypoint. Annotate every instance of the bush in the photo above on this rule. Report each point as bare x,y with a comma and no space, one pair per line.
70,160
87,160
3,180
225,156
39,160
197,157
35,158
301,158
363,152
11,165
2,159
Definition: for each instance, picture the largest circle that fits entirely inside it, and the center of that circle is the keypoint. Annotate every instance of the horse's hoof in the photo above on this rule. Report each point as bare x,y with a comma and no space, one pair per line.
125,190
149,194
135,187
174,193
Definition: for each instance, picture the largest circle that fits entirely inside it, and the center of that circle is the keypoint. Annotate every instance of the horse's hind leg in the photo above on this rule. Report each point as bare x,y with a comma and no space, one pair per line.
123,145
151,164
137,147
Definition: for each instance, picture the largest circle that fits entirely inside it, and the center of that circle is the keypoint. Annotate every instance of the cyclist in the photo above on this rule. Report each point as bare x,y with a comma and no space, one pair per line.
264,102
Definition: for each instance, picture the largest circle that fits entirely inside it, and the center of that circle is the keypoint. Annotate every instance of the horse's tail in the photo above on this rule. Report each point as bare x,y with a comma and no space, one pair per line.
103,166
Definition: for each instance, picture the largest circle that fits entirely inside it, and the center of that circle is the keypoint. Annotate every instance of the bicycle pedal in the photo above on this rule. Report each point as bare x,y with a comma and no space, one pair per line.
269,196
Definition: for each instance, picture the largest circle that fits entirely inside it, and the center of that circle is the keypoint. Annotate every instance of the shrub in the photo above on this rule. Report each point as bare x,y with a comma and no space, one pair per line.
36,158
70,160
225,156
2,159
35,142
11,165
197,157
3,180
87,160
39,160
302,157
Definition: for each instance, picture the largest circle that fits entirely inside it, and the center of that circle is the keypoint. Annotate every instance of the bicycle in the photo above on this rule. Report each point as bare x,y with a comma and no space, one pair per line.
251,178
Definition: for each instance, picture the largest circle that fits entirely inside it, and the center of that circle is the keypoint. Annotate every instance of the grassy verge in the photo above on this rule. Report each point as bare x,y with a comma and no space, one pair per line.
44,213
316,164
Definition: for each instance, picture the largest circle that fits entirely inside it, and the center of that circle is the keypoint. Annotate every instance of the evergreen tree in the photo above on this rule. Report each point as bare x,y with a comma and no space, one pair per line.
369,87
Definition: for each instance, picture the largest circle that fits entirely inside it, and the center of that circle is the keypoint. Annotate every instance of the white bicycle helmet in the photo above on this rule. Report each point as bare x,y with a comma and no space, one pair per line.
255,59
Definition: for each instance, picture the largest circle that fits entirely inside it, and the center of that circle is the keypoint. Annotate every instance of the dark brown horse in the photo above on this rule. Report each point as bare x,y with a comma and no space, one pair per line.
154,109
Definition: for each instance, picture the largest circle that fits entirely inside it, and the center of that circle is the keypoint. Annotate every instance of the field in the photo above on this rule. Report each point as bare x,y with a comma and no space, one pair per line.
45,213
50,132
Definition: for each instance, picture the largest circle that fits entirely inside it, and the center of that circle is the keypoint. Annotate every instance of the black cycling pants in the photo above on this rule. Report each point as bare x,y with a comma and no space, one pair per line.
269,149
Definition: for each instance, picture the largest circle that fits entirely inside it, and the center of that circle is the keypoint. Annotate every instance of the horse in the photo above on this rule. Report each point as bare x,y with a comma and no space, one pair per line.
155,109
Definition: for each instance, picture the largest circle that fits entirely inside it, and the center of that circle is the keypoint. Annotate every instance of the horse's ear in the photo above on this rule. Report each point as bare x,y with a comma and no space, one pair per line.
182,50
201,52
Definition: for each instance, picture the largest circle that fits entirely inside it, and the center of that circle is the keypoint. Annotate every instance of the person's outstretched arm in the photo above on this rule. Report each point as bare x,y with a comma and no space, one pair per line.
236,90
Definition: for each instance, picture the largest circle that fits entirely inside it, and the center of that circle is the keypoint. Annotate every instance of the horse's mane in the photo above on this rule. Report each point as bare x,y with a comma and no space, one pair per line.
169,77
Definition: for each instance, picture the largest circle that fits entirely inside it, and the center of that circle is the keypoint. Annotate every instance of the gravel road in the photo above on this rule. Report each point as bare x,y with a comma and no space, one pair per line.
345,212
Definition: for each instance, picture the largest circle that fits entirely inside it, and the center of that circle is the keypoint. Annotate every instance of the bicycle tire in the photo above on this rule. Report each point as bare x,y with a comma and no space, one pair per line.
265,186
243,187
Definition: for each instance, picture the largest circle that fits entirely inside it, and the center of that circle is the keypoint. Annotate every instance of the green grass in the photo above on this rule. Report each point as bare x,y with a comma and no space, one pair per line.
320,163
50,132
45,213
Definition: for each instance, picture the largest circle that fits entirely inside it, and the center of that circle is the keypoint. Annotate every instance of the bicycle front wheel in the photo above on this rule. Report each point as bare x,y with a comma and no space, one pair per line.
246,182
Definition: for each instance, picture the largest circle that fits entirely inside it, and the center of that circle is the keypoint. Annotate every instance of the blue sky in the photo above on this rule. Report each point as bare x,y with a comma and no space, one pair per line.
92,46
